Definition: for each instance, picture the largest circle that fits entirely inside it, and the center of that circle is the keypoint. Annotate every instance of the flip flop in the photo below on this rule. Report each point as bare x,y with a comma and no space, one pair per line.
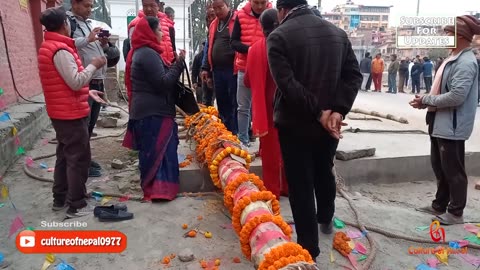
448,219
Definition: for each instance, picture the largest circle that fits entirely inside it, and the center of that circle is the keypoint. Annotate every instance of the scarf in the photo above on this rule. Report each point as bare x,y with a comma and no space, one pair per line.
143,36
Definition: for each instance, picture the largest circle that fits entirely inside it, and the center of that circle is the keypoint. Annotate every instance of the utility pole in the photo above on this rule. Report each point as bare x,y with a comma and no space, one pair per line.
136,7
418,7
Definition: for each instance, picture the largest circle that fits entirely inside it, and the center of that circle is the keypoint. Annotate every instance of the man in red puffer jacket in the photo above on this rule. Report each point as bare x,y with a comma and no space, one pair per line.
65,86
152,8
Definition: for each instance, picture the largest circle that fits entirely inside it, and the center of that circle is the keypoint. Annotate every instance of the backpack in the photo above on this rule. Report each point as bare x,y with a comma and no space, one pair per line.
73,25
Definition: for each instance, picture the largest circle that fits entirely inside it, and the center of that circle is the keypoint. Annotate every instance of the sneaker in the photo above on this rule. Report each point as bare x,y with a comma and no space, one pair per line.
58,206
93,172
74,213
94,164
326,228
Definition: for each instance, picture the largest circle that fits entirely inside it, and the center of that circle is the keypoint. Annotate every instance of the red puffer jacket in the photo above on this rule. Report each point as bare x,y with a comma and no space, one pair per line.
62,102
166,44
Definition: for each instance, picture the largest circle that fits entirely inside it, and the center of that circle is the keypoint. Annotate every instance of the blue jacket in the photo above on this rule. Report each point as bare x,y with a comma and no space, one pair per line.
456,105
427,68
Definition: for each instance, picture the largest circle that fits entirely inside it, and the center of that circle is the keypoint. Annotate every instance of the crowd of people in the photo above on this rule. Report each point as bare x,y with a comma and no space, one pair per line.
275,75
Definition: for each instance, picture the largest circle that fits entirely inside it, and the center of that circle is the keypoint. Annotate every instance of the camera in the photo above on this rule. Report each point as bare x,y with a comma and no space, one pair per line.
104,34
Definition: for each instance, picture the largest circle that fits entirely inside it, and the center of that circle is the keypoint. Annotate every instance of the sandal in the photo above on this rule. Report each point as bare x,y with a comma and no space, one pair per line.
448,219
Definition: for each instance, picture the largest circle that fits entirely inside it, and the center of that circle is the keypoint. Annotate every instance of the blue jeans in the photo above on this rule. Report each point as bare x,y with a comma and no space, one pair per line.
392,83
244,99
225,84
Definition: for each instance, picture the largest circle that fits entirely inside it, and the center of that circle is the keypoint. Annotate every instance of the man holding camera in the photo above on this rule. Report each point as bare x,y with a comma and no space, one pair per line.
91,43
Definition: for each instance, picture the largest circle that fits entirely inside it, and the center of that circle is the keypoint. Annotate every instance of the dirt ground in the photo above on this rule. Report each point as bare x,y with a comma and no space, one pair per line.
156,230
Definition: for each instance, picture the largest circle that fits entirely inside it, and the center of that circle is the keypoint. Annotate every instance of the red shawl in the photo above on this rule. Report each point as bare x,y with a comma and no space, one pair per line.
259,80
143,36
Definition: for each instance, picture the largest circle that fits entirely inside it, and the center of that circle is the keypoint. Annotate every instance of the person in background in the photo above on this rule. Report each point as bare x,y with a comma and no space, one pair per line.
65,86
154,8
407,75
89,46
220,62
415,75
392,74
246,31
259,79
378,67
427,71
452,106
402,75
369,81
196,79
317,80
170,12
477,54
126,48
152,129
208,90
438,64
365,69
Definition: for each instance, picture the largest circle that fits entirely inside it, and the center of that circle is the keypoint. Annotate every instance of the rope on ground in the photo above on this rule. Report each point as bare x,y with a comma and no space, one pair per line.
340,183
396,131
381,115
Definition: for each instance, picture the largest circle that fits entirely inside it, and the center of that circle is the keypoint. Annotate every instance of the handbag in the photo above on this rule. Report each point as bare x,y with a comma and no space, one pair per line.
185,99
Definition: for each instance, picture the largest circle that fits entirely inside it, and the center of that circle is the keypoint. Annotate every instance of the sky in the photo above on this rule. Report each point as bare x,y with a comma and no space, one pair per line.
409,7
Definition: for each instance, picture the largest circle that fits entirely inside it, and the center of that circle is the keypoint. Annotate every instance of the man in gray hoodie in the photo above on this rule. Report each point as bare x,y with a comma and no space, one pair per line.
452,105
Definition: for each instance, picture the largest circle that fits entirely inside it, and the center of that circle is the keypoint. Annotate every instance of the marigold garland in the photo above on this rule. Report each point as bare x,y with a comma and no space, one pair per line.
285,250
245,201
247,230
230,189
188,160
340,243
211,135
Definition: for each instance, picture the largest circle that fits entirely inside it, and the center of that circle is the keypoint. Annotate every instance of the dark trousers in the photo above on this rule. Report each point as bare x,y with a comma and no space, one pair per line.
448,163
73,161
94,106
308,163
208,95
416,85
369,82
406,79
428,83
401,81
225,84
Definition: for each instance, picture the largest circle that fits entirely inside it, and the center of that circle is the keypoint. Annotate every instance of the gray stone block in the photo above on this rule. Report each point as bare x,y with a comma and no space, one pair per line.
117,164
354,154
107,122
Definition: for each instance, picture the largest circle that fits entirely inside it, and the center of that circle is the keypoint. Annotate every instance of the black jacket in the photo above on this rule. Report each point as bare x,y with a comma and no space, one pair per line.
154,89
366,65
315,69
196,68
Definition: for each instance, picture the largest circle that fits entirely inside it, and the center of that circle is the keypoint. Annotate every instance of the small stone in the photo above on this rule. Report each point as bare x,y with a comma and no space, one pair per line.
186,255
136,163
117,164
354,154
477,185
111,113
107,122
123,186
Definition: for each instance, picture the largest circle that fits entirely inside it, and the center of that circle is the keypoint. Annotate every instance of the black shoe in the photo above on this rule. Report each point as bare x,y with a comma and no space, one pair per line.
92,172
111,208
326,228
94,164
115,215
57,206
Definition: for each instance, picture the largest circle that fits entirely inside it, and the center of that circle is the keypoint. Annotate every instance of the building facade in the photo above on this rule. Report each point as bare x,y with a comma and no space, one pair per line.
21,35
350,16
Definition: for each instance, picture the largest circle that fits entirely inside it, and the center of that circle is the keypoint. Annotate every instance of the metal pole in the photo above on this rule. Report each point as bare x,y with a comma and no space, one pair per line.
136,7
418,7
184,25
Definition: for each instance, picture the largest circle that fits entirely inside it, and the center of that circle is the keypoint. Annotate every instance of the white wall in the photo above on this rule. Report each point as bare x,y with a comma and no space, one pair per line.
120,8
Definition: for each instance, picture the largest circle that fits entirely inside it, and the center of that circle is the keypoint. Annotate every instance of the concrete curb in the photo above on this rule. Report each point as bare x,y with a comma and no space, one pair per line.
30,120
359,171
